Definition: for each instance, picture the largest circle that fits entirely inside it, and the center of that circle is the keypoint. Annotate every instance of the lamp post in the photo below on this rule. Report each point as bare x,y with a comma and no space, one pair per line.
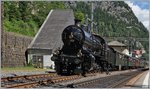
130,39
129,45
92,8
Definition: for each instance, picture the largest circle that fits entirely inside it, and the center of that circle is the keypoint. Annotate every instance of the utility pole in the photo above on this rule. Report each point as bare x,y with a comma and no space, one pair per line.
130,45
92,16
131,39
89,21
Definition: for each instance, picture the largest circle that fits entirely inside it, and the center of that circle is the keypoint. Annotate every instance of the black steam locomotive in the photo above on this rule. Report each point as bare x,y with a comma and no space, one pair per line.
83,51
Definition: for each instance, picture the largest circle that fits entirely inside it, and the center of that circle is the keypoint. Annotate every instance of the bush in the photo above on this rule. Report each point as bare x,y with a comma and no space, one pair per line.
25,28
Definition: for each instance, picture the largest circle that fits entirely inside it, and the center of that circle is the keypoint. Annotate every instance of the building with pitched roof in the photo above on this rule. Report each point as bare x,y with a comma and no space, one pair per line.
117,46
48,37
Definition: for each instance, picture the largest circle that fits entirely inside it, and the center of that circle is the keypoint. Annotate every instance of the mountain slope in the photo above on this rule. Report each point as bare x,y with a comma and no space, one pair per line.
112,17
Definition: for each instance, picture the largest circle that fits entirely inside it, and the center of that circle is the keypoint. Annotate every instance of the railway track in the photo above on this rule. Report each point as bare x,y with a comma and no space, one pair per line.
113,81
19,81
39,82
94,79
32,81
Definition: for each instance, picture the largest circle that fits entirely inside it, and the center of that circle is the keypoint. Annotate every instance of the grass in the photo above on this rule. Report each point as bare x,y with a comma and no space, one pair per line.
27,68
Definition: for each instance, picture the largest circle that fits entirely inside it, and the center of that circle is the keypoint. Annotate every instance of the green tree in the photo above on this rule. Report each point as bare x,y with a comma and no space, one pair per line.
79,15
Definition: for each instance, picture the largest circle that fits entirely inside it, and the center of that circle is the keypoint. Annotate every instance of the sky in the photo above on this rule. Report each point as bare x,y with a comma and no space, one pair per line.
141,10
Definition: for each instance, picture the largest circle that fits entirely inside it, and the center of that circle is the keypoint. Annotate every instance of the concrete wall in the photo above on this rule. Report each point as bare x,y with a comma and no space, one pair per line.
13,49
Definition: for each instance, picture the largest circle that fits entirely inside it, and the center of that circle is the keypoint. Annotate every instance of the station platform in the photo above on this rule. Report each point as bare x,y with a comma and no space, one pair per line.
141,82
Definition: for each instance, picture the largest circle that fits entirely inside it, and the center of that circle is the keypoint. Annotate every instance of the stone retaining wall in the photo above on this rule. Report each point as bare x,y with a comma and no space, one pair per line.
13,49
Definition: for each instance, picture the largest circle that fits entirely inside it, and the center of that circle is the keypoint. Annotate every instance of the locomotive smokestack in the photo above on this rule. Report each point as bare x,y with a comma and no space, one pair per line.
77,22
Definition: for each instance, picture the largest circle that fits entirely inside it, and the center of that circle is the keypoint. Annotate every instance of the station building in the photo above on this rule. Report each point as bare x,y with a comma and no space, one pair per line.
48,38
118,46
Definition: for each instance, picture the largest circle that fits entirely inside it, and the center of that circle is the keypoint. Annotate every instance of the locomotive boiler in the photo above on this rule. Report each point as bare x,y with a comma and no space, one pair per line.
81,52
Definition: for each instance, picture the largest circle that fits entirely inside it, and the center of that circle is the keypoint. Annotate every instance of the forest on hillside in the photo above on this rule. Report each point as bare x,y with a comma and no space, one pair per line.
26,17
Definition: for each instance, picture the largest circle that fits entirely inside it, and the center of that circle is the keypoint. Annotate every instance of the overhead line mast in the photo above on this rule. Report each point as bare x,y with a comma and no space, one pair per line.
92,30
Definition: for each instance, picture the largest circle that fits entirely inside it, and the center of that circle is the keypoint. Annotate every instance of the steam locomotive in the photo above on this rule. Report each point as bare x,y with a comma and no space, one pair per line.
83,52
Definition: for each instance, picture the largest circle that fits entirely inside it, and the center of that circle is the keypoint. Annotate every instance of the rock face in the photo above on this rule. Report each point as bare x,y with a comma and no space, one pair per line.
113,18
119,9
116,9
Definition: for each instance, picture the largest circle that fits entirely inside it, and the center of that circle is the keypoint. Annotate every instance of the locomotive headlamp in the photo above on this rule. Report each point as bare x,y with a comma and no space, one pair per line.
79,54
71,35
